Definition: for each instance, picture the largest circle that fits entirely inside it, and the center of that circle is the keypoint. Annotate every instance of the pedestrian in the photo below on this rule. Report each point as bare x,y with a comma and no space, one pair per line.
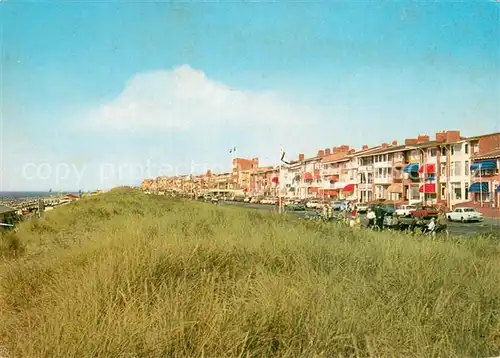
325,212
371,217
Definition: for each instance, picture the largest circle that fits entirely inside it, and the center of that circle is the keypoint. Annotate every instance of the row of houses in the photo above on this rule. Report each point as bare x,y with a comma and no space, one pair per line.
448,169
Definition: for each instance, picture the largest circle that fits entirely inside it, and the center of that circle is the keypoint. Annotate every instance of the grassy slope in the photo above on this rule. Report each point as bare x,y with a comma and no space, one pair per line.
128,274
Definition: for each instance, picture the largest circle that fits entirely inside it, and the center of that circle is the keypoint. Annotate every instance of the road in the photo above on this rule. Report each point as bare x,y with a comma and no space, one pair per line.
454,228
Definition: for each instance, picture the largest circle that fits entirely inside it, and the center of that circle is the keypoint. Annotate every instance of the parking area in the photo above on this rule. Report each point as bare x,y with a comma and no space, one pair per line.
455,228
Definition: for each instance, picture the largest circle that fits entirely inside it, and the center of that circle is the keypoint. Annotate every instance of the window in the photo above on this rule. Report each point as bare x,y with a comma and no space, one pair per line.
466,148
457,191
443,151
466,167
466,191
452,150
458,169
443,191
433,152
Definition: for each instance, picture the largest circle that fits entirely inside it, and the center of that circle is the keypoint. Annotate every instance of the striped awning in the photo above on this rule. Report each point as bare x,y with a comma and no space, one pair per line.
479,187
484,165
411,168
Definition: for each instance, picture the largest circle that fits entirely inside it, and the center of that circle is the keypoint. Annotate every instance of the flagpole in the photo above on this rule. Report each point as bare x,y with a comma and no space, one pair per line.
279,181
480,185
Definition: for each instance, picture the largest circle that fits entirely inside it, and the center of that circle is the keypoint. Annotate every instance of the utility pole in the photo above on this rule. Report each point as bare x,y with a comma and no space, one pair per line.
280,209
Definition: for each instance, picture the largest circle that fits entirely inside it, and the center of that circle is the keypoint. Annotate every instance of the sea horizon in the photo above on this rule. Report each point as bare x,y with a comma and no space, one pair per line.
32,193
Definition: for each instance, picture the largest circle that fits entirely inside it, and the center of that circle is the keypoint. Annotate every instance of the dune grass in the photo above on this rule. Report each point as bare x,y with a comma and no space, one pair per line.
130,275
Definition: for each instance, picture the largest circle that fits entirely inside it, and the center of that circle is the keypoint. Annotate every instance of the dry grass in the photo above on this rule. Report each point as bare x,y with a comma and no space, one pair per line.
131,275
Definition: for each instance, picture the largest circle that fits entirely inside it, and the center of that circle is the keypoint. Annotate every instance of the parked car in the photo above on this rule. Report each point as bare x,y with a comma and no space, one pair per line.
295,206
266,201
255,200
337,205
464,214
362,207
313,204
405,210
246,200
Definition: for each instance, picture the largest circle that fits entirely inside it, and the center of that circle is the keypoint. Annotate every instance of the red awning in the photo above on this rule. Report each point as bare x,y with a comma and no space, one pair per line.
348,188
334,178
317,173
314,189
427,168
308,176
275,180
245,190
330,192
427,188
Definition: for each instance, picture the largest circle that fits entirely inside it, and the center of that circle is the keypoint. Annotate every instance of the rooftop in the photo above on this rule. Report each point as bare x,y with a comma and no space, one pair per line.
6,209
489,155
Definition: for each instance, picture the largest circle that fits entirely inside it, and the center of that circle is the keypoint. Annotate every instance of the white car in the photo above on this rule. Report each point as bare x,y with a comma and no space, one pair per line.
246,200
464,214
313,204
405,210
362,207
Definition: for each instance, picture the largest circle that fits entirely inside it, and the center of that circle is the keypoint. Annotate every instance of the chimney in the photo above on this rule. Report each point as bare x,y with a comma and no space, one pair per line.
328,151
394,142
255,163
344,148
384,145
351,151
422,139
410,141
321,153
441,136
301,156
364,147
335,150
452,136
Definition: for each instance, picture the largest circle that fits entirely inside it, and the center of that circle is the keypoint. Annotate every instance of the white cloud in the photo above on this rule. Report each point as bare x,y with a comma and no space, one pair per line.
185,98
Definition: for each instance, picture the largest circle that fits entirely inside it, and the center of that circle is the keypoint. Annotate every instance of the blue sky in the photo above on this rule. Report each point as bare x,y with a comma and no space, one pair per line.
156,88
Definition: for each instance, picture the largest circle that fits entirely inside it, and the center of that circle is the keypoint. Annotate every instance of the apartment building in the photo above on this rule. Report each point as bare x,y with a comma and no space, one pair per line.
331,172
264,181
290,177
485,184
485,177
241,172
307,180
448,169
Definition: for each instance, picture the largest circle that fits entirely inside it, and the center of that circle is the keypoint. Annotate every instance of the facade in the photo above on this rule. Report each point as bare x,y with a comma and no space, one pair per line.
241,172
264,182
449,169
309,181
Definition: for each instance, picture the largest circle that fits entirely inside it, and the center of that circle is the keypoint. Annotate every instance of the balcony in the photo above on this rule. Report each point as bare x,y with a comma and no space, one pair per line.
485,173
365,168
331,171
365,186
383,164
386,180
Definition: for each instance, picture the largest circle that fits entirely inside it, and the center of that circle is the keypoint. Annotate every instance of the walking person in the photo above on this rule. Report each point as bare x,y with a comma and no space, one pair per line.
371,218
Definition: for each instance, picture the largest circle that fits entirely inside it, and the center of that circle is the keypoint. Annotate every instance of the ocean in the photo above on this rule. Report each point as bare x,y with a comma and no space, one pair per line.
28,194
